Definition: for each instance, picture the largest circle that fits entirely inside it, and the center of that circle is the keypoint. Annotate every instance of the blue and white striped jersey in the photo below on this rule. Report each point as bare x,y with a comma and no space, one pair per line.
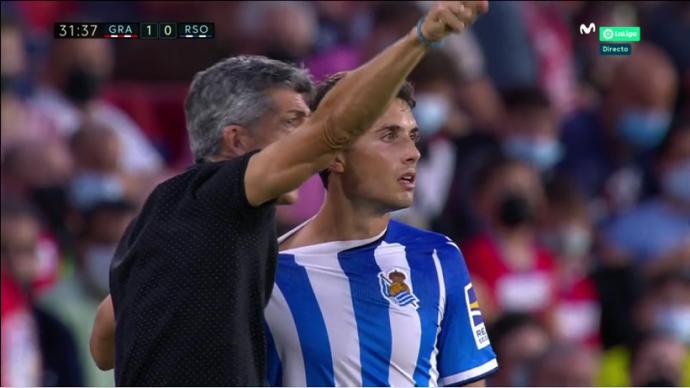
396,309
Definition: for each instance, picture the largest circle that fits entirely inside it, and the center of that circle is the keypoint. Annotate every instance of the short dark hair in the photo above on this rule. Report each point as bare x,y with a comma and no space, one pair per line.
406,93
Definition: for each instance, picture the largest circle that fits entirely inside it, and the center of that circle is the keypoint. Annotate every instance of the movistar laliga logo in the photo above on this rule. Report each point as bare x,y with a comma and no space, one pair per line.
586,30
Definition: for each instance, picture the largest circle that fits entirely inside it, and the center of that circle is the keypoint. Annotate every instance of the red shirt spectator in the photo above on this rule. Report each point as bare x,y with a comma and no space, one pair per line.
577,313
21,354
530,290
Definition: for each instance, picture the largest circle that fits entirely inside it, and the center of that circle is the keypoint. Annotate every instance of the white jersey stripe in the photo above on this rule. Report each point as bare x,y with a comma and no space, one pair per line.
470,374
405,322
433,381
332,290
282,325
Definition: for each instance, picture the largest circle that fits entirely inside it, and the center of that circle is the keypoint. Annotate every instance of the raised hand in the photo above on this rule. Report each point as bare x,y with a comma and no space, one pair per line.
447,17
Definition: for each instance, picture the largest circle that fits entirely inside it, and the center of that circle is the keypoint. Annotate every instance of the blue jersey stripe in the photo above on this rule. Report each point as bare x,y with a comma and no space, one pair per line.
452,314
313,336
425,284
371,314
274,372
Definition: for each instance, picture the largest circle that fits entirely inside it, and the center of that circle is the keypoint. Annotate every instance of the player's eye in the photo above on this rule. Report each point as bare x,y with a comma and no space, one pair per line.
390,136
414,135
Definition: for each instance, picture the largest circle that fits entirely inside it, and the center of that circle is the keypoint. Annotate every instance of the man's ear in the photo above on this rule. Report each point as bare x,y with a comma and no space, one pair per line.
235,141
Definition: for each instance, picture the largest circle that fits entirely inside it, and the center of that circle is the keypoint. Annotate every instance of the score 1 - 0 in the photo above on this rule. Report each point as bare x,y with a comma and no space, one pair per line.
148,31
168,30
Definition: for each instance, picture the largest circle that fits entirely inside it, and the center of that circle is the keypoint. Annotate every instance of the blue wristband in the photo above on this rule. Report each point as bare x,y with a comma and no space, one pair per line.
422,39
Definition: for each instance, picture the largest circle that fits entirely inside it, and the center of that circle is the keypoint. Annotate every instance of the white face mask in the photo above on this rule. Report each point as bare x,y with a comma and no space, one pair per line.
575,241
675,320
431,112
542,153
572,241
97,260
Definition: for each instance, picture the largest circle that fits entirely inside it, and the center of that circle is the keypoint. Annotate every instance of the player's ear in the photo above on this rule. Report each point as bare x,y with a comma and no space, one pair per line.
235,141
338,164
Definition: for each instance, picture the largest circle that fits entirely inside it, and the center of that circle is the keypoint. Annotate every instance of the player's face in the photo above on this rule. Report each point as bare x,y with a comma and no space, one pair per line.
289,112
379,168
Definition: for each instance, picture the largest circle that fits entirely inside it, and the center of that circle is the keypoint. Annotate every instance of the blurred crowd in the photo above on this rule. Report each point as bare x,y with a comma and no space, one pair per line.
563,175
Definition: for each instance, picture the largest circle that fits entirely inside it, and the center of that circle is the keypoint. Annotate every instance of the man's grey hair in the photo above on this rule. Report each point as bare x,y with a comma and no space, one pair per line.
234,91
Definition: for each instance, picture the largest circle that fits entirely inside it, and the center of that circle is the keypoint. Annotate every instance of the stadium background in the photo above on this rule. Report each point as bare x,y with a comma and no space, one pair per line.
582,273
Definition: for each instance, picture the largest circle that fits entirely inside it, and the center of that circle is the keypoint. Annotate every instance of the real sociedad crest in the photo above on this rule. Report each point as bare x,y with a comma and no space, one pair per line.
396,290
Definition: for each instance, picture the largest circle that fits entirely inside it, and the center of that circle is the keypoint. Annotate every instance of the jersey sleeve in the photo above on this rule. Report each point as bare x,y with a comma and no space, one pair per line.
465,353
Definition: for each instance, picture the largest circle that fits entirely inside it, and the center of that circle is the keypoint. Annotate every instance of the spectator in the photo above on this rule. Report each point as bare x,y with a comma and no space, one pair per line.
21,353
474,90
568,232
504,39
662,312
608,150
665,306
519,341
38,171
518,272
97,154
76,297
290,30
50,357
530,129
659,360
283,30
342,23
70,96
666,26
551,39
436,79
20,123
566,365
666,246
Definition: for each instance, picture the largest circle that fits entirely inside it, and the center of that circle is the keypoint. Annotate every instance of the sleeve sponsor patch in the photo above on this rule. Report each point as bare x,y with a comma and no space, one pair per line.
481,337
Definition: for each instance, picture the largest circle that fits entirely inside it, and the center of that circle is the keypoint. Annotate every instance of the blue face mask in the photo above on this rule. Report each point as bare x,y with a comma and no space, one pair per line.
676,182
675,320
642,128
543,154
431,113
88,188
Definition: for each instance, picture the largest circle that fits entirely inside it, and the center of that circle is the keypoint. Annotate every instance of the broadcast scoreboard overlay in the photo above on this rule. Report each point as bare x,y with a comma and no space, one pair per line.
145,30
